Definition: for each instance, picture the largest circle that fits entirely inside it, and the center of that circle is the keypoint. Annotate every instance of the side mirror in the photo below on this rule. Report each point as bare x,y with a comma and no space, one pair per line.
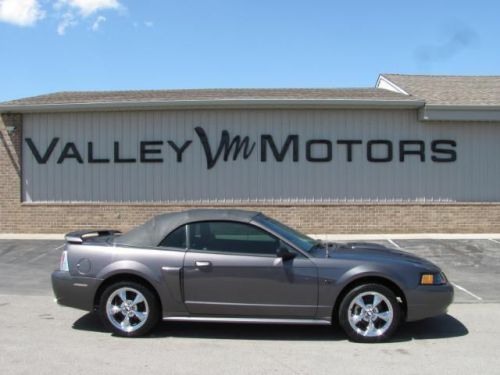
284,254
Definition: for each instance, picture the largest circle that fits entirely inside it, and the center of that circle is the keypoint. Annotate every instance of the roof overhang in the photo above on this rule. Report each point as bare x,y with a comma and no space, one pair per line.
432,112
445,112
211,104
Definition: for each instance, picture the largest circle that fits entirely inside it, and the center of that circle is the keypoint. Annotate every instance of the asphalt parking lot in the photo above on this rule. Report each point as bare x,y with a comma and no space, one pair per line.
38,336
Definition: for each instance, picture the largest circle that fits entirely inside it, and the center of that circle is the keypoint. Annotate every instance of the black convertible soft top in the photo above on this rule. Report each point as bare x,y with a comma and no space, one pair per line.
152,232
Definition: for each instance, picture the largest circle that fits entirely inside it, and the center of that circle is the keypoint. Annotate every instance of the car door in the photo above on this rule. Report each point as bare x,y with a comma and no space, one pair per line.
232,269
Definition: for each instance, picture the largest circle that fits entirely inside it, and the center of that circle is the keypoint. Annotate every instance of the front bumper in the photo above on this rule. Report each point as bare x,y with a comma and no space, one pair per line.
77,292
426,301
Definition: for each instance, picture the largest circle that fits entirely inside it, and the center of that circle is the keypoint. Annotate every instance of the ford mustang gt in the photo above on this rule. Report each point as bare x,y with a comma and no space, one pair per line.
239,266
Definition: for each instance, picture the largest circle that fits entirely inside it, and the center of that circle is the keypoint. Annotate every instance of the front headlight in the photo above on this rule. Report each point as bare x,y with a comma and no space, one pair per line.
432,279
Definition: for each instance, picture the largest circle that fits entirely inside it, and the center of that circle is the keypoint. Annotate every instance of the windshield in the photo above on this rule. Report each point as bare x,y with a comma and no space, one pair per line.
300,240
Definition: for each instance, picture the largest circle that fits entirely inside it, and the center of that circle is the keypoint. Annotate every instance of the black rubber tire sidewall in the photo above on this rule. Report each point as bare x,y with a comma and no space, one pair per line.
344,307
152,300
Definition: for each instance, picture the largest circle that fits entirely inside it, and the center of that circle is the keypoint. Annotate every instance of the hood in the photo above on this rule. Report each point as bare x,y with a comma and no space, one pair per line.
370,252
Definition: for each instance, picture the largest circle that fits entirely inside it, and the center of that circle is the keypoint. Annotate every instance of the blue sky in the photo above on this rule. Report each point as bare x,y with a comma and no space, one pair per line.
57,45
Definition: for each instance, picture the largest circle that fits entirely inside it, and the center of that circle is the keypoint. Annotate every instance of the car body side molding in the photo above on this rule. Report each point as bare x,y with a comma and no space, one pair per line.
213,319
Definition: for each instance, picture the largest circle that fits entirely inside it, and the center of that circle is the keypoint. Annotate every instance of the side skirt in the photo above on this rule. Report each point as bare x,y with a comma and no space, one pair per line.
212,319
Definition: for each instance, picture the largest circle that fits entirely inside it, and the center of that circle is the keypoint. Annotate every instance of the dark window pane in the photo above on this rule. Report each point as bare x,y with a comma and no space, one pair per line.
177,238
230,237
298,239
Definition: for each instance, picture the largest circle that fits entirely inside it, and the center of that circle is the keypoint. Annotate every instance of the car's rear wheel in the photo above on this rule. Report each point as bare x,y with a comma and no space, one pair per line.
369,313
129,309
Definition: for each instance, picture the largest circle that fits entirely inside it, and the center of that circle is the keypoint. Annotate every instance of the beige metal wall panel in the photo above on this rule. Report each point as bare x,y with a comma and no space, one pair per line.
474,176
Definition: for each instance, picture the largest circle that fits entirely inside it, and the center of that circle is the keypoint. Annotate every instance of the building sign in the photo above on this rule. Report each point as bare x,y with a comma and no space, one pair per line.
237,147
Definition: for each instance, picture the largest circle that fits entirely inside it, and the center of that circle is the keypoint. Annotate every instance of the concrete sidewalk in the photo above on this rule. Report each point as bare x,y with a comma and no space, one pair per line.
329,237
407,236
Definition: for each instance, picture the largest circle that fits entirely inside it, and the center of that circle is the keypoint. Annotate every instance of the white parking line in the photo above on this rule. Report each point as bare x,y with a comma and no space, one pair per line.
394,243
466,291
39,256
492,240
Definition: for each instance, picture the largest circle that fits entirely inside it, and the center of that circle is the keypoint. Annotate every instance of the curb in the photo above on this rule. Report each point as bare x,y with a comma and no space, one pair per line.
328,237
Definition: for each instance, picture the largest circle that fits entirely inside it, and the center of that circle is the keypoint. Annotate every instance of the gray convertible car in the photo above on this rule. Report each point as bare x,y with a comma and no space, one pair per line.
240,266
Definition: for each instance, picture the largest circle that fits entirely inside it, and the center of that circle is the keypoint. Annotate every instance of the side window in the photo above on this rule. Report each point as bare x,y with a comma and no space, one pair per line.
231,237
291,249
177,238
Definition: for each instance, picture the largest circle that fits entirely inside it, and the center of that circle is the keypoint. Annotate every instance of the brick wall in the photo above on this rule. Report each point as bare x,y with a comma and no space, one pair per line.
16,217
10,172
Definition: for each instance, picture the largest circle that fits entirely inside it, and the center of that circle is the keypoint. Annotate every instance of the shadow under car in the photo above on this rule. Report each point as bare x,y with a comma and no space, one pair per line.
441,327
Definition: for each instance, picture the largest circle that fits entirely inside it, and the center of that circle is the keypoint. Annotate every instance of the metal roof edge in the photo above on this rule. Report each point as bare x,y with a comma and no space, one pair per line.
221,103
469,113
463,107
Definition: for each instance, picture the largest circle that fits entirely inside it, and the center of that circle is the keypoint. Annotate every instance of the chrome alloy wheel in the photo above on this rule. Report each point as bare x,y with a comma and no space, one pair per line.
127,309
370,314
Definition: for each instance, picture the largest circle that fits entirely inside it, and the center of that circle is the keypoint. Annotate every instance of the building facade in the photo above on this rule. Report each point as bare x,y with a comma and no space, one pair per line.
413,154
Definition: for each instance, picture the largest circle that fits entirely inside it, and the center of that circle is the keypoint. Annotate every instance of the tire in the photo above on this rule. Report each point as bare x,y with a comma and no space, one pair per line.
377,320
129,309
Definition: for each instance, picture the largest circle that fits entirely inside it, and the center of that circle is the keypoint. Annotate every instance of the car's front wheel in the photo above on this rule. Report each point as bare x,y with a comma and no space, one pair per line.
369,313
129,309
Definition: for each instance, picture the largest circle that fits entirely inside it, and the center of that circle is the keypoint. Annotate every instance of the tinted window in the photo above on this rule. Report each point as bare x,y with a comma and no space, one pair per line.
230,237
298,239
177,238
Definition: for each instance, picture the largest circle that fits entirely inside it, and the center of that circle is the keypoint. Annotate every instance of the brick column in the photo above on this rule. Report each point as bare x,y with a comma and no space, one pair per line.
10,171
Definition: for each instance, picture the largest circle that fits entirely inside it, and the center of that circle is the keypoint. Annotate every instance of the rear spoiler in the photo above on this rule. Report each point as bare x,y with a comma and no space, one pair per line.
79,237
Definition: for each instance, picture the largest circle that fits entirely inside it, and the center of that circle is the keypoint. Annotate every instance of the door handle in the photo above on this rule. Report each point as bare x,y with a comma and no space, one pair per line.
202,264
